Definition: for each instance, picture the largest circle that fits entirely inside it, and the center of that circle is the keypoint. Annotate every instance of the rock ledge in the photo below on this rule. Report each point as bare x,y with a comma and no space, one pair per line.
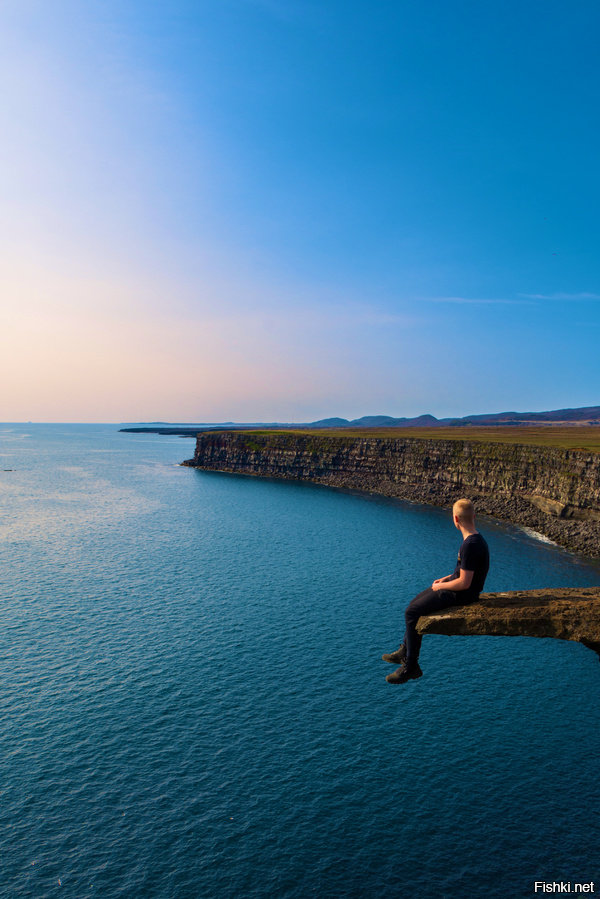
569,613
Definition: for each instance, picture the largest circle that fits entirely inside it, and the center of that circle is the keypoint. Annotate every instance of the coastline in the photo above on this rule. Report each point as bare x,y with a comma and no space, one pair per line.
551,491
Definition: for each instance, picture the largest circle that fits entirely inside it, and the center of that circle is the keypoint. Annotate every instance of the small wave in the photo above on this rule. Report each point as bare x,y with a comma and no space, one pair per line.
537,536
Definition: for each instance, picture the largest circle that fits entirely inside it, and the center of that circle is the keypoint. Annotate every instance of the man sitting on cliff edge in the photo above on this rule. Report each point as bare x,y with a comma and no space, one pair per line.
460,588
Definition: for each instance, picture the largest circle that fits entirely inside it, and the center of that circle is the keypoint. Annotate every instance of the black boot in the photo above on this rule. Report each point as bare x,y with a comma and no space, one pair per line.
404,673
396,658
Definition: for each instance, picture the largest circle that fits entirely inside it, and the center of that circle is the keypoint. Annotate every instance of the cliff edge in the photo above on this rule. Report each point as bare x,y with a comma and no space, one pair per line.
566,614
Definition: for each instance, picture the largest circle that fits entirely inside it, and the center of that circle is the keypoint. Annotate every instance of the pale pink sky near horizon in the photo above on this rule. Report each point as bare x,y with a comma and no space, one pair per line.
85,348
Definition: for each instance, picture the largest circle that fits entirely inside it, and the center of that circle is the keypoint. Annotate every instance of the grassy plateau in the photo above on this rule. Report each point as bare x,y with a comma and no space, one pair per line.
582,437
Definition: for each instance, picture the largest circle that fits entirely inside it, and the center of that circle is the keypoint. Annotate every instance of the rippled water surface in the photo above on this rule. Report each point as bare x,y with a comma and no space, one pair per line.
193,703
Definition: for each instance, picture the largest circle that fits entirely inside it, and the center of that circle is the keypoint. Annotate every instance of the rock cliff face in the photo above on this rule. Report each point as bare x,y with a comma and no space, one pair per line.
554,491
566,614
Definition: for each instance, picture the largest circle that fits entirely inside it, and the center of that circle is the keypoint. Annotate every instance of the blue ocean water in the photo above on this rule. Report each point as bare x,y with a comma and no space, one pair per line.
193,704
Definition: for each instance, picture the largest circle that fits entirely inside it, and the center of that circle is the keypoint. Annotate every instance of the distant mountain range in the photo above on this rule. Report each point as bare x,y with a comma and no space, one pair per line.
585,415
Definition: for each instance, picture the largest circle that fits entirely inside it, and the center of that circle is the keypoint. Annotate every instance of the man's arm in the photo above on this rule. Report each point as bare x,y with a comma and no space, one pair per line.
462,582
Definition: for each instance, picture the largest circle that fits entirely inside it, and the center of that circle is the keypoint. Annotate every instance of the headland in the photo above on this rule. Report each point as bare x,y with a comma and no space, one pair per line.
546,479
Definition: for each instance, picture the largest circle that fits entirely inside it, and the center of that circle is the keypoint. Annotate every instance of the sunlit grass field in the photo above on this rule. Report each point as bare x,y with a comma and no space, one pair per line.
565,437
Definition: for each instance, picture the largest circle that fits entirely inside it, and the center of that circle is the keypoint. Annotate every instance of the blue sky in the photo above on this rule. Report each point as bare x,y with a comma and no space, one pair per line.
284,210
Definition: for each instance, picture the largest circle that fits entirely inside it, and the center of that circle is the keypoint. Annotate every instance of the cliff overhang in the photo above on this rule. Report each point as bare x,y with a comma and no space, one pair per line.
564,614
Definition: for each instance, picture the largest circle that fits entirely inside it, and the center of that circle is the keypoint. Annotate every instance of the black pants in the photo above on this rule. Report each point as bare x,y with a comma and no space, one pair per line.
426,603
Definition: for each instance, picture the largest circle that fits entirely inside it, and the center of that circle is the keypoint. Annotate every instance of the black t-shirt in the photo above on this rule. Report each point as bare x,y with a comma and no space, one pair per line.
474,556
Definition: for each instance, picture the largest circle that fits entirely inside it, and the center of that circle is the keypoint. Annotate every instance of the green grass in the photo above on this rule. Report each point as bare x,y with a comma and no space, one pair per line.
582,437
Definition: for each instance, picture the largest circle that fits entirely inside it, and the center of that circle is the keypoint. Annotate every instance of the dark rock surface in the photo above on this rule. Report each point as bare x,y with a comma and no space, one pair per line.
565,614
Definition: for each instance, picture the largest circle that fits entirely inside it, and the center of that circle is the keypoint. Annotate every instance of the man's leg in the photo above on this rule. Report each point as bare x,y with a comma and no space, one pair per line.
426,603
399,656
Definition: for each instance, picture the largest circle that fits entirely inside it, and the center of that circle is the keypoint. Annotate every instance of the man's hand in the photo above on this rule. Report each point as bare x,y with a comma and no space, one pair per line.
439,581
462,582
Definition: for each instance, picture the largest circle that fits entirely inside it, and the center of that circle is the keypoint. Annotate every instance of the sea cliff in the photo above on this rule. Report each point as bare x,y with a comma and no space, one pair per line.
554,491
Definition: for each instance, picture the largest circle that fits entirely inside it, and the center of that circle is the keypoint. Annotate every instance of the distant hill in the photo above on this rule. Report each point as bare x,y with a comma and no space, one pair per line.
589,414
330,423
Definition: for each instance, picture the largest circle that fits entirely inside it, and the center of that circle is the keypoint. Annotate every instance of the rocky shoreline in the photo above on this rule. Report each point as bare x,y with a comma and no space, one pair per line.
555,492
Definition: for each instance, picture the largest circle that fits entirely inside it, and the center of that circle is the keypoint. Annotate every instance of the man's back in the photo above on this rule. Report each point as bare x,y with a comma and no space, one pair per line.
473,555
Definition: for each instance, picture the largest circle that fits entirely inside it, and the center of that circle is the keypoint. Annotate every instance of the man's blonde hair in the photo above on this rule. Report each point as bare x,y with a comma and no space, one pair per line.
464,511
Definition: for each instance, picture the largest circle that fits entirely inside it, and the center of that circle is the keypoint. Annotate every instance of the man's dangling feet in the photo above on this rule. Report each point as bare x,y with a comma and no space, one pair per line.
396,658
405,673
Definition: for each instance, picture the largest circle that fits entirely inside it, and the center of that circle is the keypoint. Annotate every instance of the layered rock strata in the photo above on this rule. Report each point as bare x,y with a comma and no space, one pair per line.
553,491
565,614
